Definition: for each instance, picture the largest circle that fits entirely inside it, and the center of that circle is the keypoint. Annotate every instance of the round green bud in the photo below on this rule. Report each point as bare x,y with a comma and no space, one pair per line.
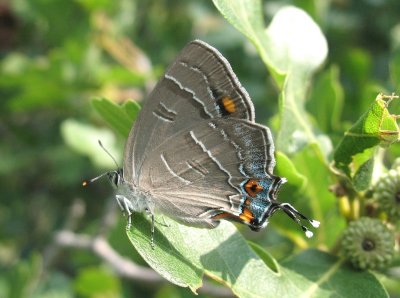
368,244
387,193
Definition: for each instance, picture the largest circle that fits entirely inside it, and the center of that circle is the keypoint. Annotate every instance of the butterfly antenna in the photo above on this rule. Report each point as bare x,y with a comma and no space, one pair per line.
87,182
109,154
294,214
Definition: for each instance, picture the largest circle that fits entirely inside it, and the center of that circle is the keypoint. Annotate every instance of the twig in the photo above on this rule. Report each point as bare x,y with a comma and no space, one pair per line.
100,247
121,265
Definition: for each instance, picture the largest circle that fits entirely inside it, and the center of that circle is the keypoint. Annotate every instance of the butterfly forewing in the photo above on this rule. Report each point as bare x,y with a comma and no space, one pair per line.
191,90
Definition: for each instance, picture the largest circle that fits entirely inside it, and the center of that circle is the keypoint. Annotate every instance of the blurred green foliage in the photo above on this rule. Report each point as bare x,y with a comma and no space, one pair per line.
55,56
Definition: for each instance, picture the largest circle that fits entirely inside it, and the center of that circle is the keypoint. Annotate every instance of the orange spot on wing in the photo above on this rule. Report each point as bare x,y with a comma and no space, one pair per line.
246,215
222,215
252,187
229,104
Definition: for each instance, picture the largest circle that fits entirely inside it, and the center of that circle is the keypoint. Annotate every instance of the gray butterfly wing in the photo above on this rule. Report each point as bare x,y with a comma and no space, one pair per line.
199,85
195,142
199,172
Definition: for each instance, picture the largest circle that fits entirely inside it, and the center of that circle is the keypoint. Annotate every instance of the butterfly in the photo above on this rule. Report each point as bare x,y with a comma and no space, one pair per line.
195,152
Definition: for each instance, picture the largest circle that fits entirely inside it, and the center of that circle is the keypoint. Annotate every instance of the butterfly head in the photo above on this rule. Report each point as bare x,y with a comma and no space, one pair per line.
116,177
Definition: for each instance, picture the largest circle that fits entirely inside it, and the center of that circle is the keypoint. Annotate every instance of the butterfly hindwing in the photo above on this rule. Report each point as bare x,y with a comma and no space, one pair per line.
202,171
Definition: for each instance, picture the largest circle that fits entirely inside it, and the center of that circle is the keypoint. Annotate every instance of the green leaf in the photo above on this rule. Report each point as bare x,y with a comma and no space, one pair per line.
83,138
316,198
265,256
167,257
363,175
326,100
318,274
118,117
183,254
246,16
131,108
96,282
364,164
376,127
283,44
296,130
286,168
290,59
292,50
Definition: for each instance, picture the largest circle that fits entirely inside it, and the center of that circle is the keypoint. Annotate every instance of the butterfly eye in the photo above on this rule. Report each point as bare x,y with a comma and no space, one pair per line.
114,178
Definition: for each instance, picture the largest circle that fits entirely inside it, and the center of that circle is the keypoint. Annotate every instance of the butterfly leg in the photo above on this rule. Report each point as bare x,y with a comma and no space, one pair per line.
153,221
119,201
164,224
152,231
126,207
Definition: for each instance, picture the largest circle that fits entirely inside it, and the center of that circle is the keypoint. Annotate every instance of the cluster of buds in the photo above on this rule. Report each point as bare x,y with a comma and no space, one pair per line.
369,243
